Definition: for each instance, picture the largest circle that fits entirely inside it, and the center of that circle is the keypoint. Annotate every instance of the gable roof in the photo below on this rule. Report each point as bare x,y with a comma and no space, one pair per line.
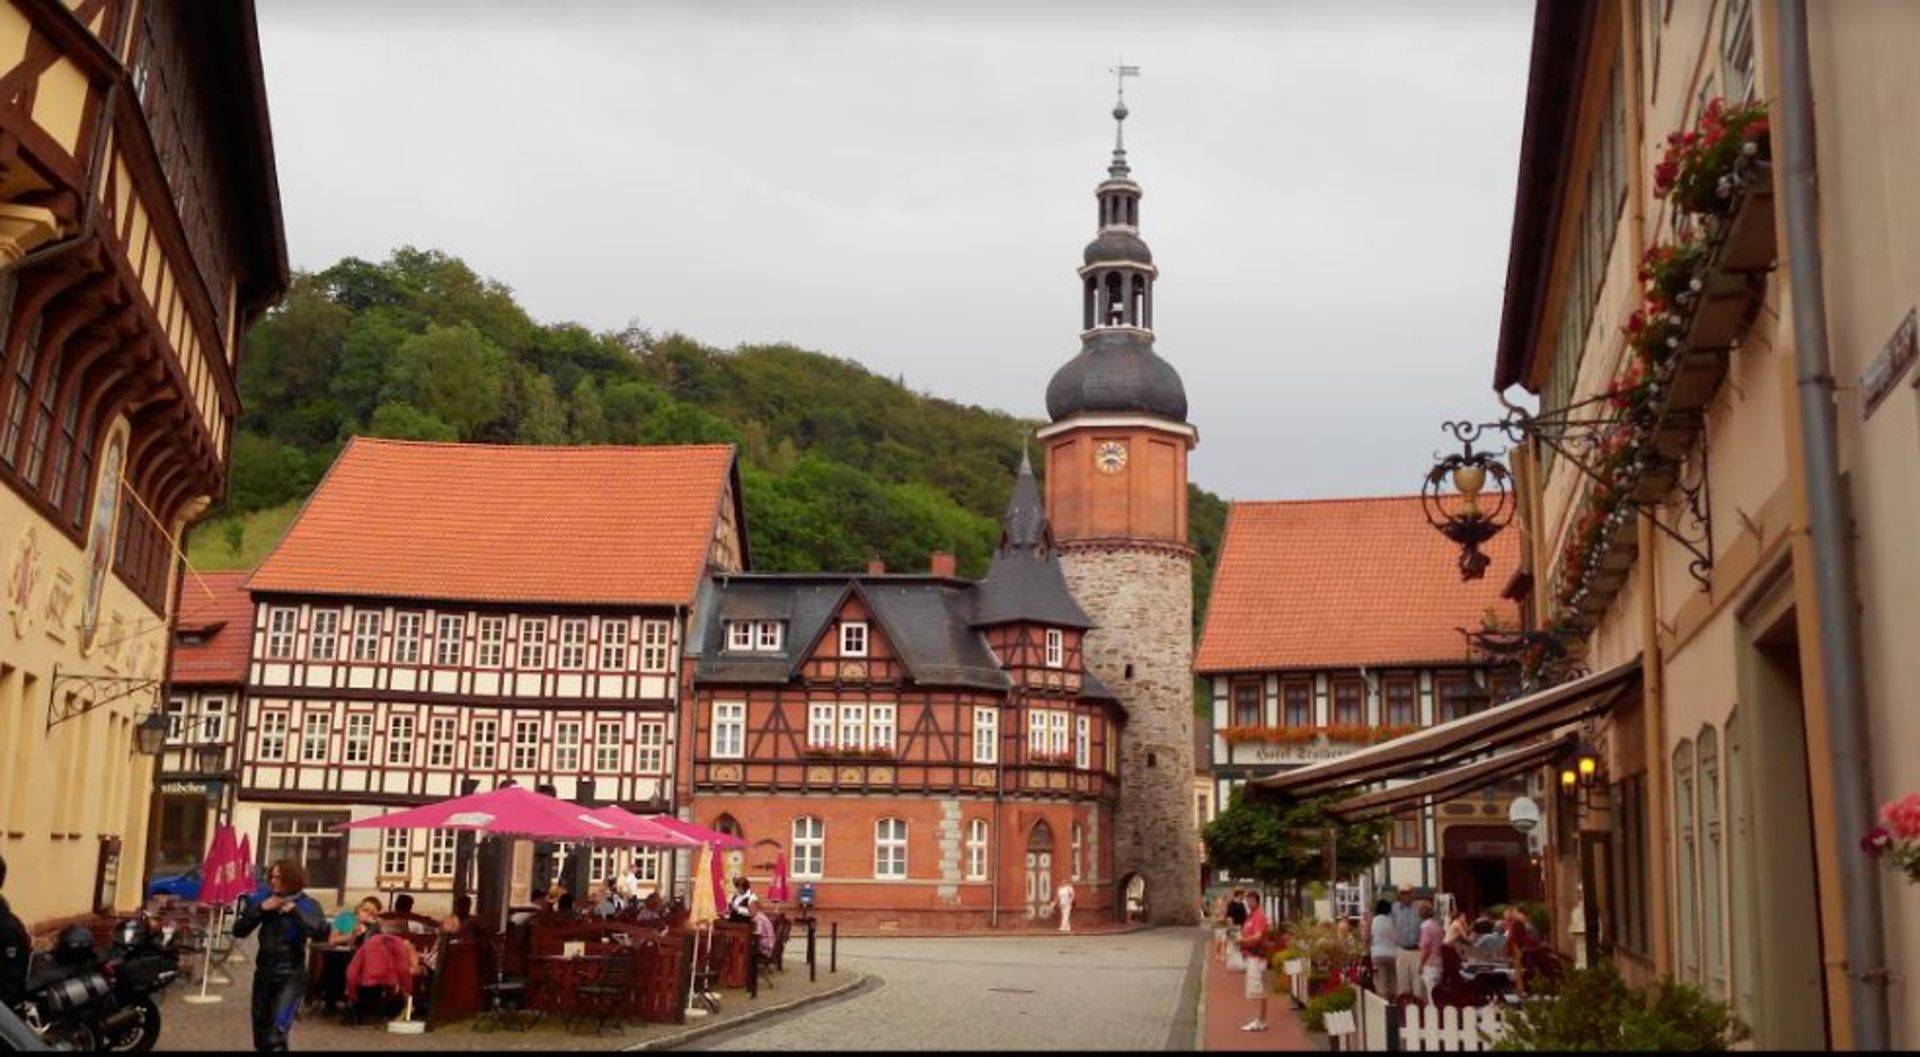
508,523
216,609
1338,583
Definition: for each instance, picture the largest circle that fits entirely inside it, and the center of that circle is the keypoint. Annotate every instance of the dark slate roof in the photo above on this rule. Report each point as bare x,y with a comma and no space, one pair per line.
1117,371
1025,582
1117,245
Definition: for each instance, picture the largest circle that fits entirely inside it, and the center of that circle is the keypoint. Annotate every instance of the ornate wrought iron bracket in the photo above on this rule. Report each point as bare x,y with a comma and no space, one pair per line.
96,691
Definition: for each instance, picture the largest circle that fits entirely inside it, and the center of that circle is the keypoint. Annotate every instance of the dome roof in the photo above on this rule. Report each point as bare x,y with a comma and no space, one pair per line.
1117,371
1117,245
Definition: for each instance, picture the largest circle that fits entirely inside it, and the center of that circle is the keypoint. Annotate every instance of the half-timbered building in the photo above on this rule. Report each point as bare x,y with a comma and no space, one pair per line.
442,618
140,236
206,696
926,751
1337,624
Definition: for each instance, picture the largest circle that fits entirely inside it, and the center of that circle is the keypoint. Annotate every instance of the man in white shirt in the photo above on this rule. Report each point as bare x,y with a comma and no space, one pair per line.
628,884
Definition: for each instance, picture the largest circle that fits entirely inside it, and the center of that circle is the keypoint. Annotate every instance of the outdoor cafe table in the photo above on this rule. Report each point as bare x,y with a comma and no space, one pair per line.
327,971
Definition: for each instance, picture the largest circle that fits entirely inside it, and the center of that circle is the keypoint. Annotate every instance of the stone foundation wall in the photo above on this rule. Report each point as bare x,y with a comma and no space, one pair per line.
1142,598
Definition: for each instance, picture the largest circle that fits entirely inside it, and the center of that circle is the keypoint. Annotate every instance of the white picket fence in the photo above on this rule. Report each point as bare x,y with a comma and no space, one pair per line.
1423,1028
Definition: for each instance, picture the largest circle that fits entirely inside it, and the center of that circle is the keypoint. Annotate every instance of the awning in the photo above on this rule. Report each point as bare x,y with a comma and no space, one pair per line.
1444,746
1447,784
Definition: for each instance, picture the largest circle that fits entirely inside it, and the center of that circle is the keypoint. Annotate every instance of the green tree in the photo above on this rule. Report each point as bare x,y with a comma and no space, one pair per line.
369,352
454,374
1277,840
589,414
400,420
234,534
543,419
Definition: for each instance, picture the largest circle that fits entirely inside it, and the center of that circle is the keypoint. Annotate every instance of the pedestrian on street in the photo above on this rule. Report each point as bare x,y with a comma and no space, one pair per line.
1406,919
287,919
1063,901
1430,961
1236,921
16,948
1382,948
1253,944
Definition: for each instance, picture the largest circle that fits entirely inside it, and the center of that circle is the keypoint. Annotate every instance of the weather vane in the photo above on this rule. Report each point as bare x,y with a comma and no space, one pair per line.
1120,73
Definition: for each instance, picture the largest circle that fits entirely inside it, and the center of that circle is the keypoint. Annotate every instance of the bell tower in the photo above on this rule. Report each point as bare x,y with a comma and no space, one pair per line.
1116,452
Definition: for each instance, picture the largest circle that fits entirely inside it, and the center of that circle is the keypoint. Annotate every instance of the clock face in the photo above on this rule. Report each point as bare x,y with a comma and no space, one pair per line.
1110,456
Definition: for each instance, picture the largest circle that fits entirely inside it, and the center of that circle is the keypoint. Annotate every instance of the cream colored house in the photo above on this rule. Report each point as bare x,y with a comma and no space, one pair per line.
139,237
1723,846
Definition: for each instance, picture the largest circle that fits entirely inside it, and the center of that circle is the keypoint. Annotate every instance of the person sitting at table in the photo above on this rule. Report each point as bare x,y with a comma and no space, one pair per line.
601,901
385,961
351,927
763,933
403,903
565,905
651,910
461,919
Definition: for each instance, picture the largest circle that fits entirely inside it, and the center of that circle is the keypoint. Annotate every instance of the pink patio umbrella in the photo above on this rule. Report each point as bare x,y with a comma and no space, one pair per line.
508,811
223,876
780,891
697,832
246,861
643,830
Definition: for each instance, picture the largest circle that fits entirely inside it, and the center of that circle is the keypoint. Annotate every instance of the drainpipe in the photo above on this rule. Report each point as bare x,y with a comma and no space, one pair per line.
1827,527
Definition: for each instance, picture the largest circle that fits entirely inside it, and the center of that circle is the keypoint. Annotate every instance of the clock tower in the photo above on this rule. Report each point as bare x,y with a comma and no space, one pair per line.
1116,452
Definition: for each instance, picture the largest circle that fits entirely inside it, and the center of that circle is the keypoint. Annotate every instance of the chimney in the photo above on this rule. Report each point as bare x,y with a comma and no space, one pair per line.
941,564
876,567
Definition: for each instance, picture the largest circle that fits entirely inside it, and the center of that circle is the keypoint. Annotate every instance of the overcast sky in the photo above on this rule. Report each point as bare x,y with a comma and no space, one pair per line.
1328,189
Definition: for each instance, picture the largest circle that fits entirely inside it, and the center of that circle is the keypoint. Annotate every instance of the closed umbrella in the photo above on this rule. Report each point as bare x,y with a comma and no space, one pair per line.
701,910
222,880
718,873
780,891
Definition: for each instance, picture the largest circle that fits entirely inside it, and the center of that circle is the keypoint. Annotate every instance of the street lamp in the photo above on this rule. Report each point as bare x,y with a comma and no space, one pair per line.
150,736
1471,520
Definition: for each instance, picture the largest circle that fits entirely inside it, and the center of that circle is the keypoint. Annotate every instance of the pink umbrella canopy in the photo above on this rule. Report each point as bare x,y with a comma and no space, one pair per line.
509,810
644,831
222,872
780,891
699,833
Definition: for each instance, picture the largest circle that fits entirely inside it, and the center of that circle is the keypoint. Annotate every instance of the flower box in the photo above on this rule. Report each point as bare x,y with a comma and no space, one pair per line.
1746,236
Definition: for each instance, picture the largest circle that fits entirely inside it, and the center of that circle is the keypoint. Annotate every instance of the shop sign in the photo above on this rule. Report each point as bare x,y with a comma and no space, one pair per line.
204,787
1895,359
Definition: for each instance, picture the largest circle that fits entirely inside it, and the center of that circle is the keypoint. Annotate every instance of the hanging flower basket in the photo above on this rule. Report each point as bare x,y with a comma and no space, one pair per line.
1896,841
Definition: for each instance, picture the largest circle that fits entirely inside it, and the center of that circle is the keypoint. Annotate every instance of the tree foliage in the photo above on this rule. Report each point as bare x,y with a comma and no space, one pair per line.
1275,840
838,464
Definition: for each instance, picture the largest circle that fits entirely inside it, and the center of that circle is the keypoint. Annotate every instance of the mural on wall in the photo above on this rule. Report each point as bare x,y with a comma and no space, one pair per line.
101,528
23,572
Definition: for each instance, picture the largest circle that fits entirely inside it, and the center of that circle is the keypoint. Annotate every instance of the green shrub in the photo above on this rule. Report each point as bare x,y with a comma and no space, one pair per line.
1594,1009
1340,998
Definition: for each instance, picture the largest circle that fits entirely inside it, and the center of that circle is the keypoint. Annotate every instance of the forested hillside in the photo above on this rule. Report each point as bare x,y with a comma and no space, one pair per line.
838,464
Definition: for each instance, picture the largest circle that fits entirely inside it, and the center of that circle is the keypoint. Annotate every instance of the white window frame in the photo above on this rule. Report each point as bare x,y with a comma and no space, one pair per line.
1082,742
986,734
176,720
573,643
1078,841
853,638
316,732
213,721
881,727
853,725
281,623
649,863
484,737
366,636
490,645
613,645
1057,734
273,734
359,741
526,745
606,746
821,728
533,644
766,636
400,741
809,847
650,748
566,746
442,845
443,733
396,852
729,730
323,641
407,629
1056,648
449,635
890,849
739,635
656,639
1036,732
977,849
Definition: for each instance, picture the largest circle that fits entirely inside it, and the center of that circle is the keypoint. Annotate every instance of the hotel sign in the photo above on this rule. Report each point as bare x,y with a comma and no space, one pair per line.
1271,752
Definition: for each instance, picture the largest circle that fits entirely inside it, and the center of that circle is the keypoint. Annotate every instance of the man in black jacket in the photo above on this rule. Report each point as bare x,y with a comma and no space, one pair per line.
16,947
286,920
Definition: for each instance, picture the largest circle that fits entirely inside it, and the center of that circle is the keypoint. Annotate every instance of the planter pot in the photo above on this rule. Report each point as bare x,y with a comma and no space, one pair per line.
1698,374
1655,482
1746,235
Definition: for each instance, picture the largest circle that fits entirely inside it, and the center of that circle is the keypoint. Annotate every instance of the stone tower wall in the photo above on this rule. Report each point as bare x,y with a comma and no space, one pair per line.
1141,596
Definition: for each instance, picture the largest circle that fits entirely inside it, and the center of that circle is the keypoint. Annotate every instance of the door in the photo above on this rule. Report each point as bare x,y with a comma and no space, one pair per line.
1039,870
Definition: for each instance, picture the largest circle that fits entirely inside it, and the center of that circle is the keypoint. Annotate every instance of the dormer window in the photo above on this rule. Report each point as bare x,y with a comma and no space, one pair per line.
1056,648
853,639
766,635
739,634
753,636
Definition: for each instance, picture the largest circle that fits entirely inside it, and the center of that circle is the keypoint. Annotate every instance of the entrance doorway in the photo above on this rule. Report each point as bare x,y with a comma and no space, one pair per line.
1487,866
1040,871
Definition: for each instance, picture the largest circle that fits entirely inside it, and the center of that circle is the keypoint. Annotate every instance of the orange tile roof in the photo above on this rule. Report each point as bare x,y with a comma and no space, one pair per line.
217,605
1336,583
506,523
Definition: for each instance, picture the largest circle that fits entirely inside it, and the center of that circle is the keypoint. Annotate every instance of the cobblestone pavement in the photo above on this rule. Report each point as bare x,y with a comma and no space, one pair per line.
224,1025
1116,992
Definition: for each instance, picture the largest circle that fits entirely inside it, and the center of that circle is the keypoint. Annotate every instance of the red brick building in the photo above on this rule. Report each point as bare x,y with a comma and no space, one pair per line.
927,752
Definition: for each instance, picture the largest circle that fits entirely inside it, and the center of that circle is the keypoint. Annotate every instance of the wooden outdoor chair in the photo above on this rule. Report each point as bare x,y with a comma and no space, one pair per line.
503,995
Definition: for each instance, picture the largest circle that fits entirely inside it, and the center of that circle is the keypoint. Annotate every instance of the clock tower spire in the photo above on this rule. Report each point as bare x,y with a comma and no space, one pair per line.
1116,452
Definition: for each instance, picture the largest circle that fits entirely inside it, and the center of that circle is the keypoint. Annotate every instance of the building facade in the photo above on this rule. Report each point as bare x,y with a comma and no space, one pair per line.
205,700
1742,775
1116,450
1305,666
140,236
422,632
927,752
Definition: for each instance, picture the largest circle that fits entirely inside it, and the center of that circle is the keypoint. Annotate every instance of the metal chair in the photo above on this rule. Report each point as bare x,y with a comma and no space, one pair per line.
602,990
503,998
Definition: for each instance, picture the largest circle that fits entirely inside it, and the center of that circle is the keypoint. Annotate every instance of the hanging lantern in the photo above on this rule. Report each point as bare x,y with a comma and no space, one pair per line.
1468,514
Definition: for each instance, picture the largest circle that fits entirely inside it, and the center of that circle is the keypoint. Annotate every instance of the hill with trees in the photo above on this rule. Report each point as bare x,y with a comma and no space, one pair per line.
838,464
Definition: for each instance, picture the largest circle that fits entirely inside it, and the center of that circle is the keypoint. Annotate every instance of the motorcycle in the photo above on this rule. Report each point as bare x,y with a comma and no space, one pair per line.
84,1001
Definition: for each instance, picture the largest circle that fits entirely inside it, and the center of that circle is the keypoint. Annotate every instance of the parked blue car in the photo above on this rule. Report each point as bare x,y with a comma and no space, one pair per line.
187,886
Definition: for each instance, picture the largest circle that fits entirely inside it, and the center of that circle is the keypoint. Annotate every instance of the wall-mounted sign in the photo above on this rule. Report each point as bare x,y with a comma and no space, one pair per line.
201,787
1886,370
100,532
